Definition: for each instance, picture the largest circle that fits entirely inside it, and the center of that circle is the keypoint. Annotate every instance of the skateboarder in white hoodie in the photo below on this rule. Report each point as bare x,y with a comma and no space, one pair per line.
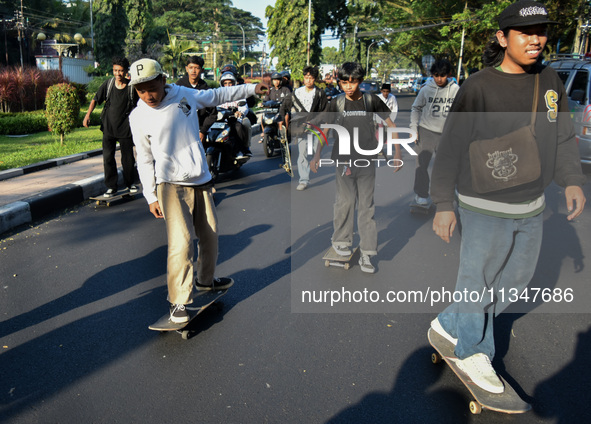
175,178
427,117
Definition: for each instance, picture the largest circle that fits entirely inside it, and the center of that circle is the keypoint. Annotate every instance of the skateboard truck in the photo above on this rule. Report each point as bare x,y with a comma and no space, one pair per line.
332,258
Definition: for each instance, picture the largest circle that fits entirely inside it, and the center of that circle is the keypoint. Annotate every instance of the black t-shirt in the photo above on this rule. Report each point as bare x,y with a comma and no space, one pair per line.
357,115
116,118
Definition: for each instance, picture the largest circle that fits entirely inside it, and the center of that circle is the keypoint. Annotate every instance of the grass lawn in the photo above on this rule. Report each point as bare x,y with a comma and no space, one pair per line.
21,151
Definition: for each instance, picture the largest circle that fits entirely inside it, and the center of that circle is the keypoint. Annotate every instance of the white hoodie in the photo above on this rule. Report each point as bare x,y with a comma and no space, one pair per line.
432,105
167,136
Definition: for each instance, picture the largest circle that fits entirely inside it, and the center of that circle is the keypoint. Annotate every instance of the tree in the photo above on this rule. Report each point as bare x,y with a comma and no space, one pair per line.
331,55
62,109
173,53
288,29
110,27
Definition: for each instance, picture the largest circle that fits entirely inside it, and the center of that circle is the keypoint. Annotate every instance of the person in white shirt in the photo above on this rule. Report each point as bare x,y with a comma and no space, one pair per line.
303,101
390,99
175,178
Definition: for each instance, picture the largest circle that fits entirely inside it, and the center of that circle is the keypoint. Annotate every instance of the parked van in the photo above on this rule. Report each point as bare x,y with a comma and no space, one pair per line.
575,73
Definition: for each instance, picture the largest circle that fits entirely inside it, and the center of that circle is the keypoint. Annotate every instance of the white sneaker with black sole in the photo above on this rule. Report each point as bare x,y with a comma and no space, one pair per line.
178,314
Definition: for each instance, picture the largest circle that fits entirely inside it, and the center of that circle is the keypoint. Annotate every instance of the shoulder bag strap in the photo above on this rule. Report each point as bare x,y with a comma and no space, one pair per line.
534,107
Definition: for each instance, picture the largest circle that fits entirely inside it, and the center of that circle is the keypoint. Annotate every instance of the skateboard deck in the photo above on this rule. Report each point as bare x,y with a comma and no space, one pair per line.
332,258
415,208
201,302
102,200
285,154
508,402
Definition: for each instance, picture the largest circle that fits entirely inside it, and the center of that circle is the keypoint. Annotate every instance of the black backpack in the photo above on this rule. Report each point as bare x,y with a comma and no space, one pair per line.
368,100
130,100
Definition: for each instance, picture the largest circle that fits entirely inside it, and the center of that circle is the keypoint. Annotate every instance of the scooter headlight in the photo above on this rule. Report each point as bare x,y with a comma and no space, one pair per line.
269,121
223,136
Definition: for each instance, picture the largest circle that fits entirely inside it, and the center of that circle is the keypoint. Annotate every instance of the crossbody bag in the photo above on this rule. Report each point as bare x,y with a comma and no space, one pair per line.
507,161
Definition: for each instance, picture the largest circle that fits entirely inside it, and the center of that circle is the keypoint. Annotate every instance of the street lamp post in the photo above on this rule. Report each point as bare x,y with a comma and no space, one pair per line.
243,46
367,61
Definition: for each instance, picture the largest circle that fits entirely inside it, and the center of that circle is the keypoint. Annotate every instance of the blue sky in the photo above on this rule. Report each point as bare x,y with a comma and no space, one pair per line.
257,8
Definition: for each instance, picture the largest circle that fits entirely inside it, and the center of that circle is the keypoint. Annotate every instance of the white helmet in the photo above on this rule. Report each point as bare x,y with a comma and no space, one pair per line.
228,76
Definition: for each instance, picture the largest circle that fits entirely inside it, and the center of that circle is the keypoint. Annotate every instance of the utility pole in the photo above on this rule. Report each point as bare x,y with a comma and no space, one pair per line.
91,29
309,26
5,40
462,45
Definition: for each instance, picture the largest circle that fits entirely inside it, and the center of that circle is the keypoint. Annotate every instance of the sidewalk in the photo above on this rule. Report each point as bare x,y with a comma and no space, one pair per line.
49,187
27,194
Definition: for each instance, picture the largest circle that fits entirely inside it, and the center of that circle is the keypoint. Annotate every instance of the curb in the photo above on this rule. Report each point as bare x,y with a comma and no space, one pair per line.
50,201
53,200
52,163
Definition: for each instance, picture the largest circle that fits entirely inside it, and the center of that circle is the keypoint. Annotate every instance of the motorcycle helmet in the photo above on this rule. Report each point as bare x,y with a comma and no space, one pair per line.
229,68
276,75
285,74
227,76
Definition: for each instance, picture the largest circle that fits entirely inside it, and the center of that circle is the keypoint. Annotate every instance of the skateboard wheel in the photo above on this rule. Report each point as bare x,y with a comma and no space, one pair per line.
475,407
98,202
185,335
327,263
347,265
435,358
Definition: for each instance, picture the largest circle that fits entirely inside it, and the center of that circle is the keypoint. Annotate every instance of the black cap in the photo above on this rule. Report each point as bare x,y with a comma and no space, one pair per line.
524,13
386,87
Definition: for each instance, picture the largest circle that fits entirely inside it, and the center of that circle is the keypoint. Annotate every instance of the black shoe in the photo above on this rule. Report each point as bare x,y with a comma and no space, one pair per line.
247,152
218,284
178,314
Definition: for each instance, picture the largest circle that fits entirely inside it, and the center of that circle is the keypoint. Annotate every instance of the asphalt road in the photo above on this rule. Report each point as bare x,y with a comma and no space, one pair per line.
78,291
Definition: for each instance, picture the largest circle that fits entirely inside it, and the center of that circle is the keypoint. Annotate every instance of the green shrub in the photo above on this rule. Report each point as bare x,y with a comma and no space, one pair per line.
22,123
33,122
62,109
93,86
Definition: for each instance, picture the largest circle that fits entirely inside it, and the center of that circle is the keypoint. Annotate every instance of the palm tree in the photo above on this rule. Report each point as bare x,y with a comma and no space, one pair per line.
173,52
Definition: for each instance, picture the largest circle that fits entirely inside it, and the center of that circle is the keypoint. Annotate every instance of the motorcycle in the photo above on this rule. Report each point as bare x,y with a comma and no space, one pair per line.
221,141
271,119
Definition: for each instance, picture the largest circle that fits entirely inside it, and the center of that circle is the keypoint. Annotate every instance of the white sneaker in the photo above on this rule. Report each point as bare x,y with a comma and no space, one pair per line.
365,264
436,326
341,250
481,372
423,201
301,186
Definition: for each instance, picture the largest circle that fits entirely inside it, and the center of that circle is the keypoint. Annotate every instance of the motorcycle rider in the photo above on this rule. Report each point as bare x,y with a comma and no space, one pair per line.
276,93
229,80
286,79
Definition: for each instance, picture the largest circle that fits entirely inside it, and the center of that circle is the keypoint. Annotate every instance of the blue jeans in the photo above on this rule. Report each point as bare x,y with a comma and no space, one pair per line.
496,253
